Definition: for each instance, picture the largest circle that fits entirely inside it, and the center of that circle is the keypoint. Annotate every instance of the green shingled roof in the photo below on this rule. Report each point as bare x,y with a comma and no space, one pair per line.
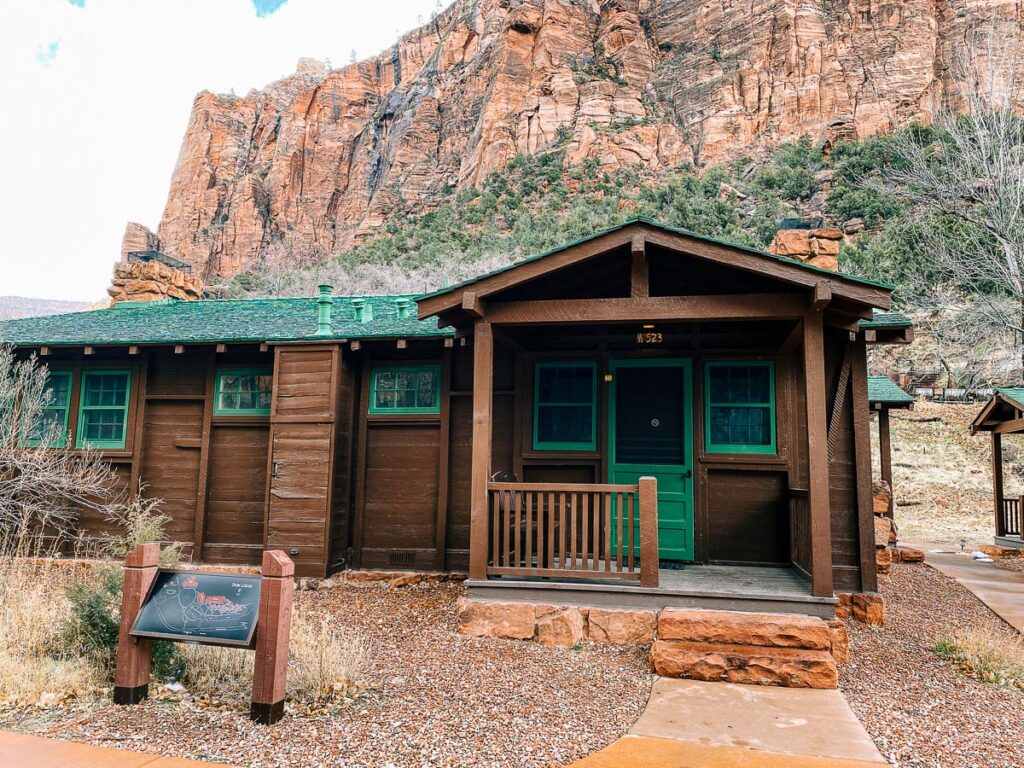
1016,394
886,320
882,389
218,320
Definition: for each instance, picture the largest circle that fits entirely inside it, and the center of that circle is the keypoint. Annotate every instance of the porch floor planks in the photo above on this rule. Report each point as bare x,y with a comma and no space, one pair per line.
769,589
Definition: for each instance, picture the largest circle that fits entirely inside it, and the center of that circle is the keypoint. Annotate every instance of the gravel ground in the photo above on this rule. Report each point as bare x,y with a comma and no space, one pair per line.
919,708
436,699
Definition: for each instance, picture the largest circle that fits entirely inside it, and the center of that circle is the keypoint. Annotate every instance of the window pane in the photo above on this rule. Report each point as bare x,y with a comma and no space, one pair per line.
411,390
59,387
565,424
103,426
425,398
565,384
385,398
106,390
405,398
740,426
385,380
244,391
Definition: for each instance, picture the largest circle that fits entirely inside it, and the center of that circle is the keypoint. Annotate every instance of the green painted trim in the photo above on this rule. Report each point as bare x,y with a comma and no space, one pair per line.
82,408
711,447
539,445
377,371
54,406
221,373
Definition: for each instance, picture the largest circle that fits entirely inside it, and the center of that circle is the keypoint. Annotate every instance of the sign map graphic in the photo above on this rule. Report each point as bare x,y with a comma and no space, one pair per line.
208,608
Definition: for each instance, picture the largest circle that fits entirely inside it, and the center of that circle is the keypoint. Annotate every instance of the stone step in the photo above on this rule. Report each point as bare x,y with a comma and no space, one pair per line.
771,630
750,664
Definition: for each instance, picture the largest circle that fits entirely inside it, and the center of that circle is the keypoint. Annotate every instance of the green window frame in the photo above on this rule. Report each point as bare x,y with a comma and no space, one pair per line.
731,417
545,408
398,389
58,410
243,391
104,397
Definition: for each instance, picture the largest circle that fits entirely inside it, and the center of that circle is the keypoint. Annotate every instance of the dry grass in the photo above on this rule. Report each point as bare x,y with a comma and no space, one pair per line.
943,475
326,665
36,666
990,652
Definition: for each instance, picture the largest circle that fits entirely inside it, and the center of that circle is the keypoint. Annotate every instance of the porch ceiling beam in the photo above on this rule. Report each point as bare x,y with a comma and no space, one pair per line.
1009,427
748,306
472,305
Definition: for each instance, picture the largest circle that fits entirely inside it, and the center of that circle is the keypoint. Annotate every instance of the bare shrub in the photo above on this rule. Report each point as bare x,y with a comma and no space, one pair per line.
37,666
326,664
991,652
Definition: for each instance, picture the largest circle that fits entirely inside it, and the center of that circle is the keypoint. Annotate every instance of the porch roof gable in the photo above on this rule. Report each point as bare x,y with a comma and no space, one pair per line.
872,293
884,391
1004,409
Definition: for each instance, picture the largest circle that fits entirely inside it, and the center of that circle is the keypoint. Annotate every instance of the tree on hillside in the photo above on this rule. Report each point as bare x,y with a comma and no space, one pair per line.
966,187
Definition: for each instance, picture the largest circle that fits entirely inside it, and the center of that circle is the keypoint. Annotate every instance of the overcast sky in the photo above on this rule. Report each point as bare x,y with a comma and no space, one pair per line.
96,97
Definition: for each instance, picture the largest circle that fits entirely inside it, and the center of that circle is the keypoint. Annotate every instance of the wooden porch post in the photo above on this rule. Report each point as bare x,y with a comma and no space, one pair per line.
649,561
483,395
817,455
997,481
885,450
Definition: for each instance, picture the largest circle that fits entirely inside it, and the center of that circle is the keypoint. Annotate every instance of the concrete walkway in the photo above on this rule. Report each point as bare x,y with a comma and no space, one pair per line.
711,725
999,589
18,750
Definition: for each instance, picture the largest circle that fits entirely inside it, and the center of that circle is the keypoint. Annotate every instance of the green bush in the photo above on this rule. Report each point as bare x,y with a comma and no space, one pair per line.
93,626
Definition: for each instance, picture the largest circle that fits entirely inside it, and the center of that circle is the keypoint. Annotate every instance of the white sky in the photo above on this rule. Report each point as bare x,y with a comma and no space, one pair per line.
95,101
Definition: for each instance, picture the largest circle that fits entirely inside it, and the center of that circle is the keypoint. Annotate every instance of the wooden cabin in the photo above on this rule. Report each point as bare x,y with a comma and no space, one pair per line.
1004,415
885,395
644,414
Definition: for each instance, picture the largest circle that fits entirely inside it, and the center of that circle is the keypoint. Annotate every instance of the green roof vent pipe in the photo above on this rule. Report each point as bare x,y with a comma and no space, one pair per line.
402,303
323,310
363,310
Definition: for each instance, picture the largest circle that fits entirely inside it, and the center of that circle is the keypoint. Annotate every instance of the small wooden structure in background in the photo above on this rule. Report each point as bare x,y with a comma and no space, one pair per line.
883,396
273,629
1003,415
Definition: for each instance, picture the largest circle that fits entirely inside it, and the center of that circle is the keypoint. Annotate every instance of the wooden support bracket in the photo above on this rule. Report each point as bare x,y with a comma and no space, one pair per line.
472,305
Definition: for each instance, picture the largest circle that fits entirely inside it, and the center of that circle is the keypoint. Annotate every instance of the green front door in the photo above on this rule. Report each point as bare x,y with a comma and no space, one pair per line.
651,433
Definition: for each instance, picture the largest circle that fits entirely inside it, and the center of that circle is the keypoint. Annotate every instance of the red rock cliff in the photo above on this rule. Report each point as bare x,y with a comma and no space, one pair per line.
321,158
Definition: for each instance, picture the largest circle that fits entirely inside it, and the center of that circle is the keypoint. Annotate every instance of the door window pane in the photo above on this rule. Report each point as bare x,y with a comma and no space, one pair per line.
565,407
53,422
740,413
649,416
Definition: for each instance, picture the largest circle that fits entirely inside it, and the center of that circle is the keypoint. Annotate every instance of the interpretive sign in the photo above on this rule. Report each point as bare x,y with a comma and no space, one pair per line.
190,606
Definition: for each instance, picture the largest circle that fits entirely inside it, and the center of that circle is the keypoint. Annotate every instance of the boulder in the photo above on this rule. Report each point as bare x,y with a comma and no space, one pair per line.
840,641
749,664
791,242
485,619
885,532
852,226
405,580
621,627
883,560
881,495
737,628
997,552
869,608
844,609
562,627
910,554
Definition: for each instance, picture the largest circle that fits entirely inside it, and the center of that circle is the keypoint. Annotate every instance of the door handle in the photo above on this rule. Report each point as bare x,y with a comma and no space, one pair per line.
275,468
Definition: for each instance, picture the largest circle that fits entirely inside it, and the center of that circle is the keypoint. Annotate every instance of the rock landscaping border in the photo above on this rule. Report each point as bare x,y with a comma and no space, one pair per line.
755,648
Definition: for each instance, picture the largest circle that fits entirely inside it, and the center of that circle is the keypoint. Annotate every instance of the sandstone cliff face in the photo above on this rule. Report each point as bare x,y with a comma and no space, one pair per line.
320,159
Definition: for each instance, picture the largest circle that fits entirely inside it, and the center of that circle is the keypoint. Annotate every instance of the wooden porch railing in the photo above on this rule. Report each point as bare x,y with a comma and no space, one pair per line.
574,531
1011,516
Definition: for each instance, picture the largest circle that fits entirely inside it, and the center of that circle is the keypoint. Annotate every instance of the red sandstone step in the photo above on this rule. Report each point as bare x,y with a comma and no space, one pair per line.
771,630
750,664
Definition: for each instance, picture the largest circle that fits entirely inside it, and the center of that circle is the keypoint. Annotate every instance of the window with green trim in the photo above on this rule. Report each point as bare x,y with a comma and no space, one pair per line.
565,407
103,411
243,391
739,412
406,389
53,422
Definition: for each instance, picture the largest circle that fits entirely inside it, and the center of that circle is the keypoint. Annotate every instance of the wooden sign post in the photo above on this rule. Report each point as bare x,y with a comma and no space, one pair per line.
211,609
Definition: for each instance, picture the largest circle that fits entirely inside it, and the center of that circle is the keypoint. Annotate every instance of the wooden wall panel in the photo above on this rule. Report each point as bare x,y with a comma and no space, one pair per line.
401,494
842,475
344,454
235,494
748,517
170,463
304,383
92,525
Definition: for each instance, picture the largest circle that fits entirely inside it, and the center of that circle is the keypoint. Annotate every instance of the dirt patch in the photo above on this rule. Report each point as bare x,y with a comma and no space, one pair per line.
920,708
942,475
436,699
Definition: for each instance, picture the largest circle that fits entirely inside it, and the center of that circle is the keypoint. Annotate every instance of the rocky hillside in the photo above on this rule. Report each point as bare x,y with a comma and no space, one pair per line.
12,307
317,161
